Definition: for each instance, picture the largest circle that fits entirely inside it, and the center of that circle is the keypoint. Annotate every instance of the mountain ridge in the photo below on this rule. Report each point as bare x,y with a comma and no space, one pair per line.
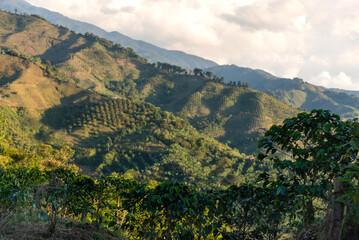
298,95
108,134
98,64
295,92
146,50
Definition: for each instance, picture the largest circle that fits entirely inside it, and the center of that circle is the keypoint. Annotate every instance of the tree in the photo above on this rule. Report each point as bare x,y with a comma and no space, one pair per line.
3,128
197,71
310,150
169,211
209,74
108,143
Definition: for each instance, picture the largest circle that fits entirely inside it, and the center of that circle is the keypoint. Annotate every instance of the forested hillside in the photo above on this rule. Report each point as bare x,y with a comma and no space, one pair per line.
230,113
110,135
295,92
144,49
44,197
96,143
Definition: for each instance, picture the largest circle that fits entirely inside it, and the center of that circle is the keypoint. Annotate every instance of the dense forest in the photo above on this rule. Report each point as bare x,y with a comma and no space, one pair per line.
310,193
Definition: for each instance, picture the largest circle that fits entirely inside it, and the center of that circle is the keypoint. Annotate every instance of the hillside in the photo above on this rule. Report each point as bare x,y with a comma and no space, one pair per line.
355,93
24,84
144,49
294,92
297,94
97,143
110,135
235,115
93,63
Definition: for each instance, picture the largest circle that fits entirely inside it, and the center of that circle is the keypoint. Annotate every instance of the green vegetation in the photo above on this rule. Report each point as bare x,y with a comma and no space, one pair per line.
147,173
146,50
116,135
297,201
120,135
294,92
217,109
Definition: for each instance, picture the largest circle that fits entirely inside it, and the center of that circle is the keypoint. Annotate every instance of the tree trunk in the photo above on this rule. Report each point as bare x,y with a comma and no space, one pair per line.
337,212
309,214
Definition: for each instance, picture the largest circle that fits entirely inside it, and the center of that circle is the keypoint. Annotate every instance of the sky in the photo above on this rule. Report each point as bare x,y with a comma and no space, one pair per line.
317,40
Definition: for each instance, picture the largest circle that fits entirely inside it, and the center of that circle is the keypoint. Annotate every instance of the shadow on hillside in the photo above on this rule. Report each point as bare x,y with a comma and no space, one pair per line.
74,97
10,79
60,52
56,116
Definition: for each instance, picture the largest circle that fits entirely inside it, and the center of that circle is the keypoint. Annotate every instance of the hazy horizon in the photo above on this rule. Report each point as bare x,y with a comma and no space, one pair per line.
316,41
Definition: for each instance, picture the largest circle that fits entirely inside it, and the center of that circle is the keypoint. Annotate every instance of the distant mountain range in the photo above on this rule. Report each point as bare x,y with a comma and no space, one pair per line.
233,114
91,96
151,52
355,93
295,92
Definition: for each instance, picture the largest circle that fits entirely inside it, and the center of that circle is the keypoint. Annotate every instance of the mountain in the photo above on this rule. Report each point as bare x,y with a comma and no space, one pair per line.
235,115
294,92
349,92
109,135
61,89
70,104
144,49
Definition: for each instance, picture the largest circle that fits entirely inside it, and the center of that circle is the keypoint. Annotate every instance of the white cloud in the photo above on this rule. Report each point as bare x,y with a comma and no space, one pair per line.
272,15
341,80
288,38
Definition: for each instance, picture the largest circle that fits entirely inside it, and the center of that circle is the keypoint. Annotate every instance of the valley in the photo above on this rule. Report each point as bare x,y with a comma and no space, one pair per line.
97,141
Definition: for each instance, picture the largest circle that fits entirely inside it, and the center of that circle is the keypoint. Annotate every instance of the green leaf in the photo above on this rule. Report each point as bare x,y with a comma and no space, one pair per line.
282,190
43,215
111,224
261,156
326,127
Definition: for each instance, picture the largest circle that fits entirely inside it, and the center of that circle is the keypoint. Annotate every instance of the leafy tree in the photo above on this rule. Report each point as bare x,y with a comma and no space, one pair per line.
198,71
3,127
310,150
209,74
169,211
249,211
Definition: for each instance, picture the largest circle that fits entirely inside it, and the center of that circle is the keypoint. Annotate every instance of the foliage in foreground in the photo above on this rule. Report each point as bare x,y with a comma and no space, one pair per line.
168,211
317,184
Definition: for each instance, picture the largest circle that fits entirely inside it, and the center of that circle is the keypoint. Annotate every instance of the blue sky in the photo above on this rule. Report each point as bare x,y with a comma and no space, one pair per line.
317,40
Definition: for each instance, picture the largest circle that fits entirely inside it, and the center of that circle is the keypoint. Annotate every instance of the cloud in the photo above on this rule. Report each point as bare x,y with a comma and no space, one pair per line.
113,10
341,80
288,38
275,16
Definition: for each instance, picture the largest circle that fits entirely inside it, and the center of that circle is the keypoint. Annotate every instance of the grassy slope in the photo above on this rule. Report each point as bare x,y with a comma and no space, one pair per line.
227,113
27,85
156,144
144,138
296,92
80,57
